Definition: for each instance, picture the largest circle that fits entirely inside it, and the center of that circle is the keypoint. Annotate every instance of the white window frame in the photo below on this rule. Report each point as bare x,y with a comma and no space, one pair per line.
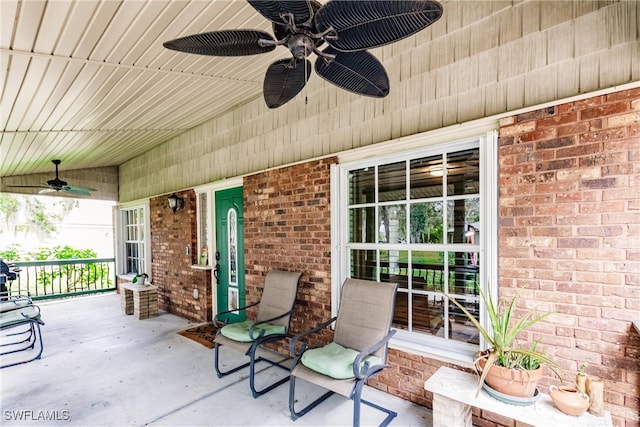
413,342
145,255
204,226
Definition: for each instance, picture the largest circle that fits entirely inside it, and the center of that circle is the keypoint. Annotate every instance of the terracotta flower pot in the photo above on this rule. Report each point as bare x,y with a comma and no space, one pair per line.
512,382
569,400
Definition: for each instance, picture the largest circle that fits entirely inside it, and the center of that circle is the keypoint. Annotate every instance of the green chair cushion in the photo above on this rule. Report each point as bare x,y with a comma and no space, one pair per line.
240,331
16,317
334,360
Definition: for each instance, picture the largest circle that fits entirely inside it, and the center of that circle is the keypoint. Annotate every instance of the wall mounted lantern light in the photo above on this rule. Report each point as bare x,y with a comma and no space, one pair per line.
176,203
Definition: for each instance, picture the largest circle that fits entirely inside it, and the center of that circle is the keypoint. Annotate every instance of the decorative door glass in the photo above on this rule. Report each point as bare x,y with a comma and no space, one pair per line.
232,244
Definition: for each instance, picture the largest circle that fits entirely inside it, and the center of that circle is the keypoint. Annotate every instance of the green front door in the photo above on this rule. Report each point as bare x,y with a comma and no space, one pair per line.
230,253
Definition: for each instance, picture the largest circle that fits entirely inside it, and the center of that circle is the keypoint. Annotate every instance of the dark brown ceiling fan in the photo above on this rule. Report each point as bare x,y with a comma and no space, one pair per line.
348,27
56,185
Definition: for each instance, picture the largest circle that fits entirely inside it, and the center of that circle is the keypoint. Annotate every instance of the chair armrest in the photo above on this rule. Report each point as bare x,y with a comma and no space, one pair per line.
367,370
303,346
15,303
9,296
252,328
218,324
9,319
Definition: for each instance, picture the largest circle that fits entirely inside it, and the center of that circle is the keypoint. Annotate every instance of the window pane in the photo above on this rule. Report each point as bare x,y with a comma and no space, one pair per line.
361,186
428,270
463,172
362,225
363,264
461,327
132,250
464,277
426,177
427,315
203,237
426,225
463,216
232,231
393,221
392,182
394,267
131,233
401,312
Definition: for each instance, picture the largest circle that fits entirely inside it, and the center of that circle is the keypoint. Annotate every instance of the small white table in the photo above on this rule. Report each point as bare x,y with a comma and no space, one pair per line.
141,301
454,394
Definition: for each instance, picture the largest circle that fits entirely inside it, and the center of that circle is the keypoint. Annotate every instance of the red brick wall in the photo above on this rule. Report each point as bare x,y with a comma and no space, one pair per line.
569,227
171,265
570,236
287,220
569,239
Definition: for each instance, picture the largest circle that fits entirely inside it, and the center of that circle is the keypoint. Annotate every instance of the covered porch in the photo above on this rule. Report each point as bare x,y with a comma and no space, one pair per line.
101,367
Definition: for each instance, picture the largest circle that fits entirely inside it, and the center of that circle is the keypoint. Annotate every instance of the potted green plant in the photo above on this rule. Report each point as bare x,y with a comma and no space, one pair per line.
140,279
514,370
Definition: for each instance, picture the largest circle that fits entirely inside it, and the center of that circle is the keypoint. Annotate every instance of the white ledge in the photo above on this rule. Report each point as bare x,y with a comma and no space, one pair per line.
459,386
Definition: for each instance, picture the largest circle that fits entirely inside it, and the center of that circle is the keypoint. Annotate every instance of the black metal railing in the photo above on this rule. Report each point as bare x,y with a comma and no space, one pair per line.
63,278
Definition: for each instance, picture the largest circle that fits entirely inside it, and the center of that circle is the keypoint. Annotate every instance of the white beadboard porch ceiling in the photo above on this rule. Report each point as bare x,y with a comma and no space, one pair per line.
89,82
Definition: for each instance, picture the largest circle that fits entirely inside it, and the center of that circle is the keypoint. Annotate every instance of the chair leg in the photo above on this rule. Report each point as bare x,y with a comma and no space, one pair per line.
251,353
357,400
28,343
216,361
292,400
37,338
252,370
28,339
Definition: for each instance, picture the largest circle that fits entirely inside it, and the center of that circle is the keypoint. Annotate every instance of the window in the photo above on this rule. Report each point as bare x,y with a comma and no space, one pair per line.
202,210
418,220
133,246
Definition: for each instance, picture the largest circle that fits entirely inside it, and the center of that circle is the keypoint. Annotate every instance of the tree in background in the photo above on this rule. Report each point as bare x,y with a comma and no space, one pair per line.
9,207
46,218
37,214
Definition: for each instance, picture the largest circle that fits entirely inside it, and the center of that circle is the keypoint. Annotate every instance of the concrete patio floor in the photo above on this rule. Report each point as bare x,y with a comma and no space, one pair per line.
103,368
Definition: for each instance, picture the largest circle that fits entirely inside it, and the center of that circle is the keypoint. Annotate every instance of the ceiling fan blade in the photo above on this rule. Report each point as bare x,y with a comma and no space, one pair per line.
358,72
223,43
276,11
77,190
358,25
284,80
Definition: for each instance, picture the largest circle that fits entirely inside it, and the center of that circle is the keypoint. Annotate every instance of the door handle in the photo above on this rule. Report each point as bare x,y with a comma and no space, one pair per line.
216,269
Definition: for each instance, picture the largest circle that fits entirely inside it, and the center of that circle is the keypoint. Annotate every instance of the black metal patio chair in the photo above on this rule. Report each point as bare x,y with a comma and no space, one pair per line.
358,350
271,324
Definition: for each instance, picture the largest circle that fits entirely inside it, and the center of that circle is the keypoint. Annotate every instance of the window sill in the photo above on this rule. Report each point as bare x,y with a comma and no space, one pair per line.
201,267
402,343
